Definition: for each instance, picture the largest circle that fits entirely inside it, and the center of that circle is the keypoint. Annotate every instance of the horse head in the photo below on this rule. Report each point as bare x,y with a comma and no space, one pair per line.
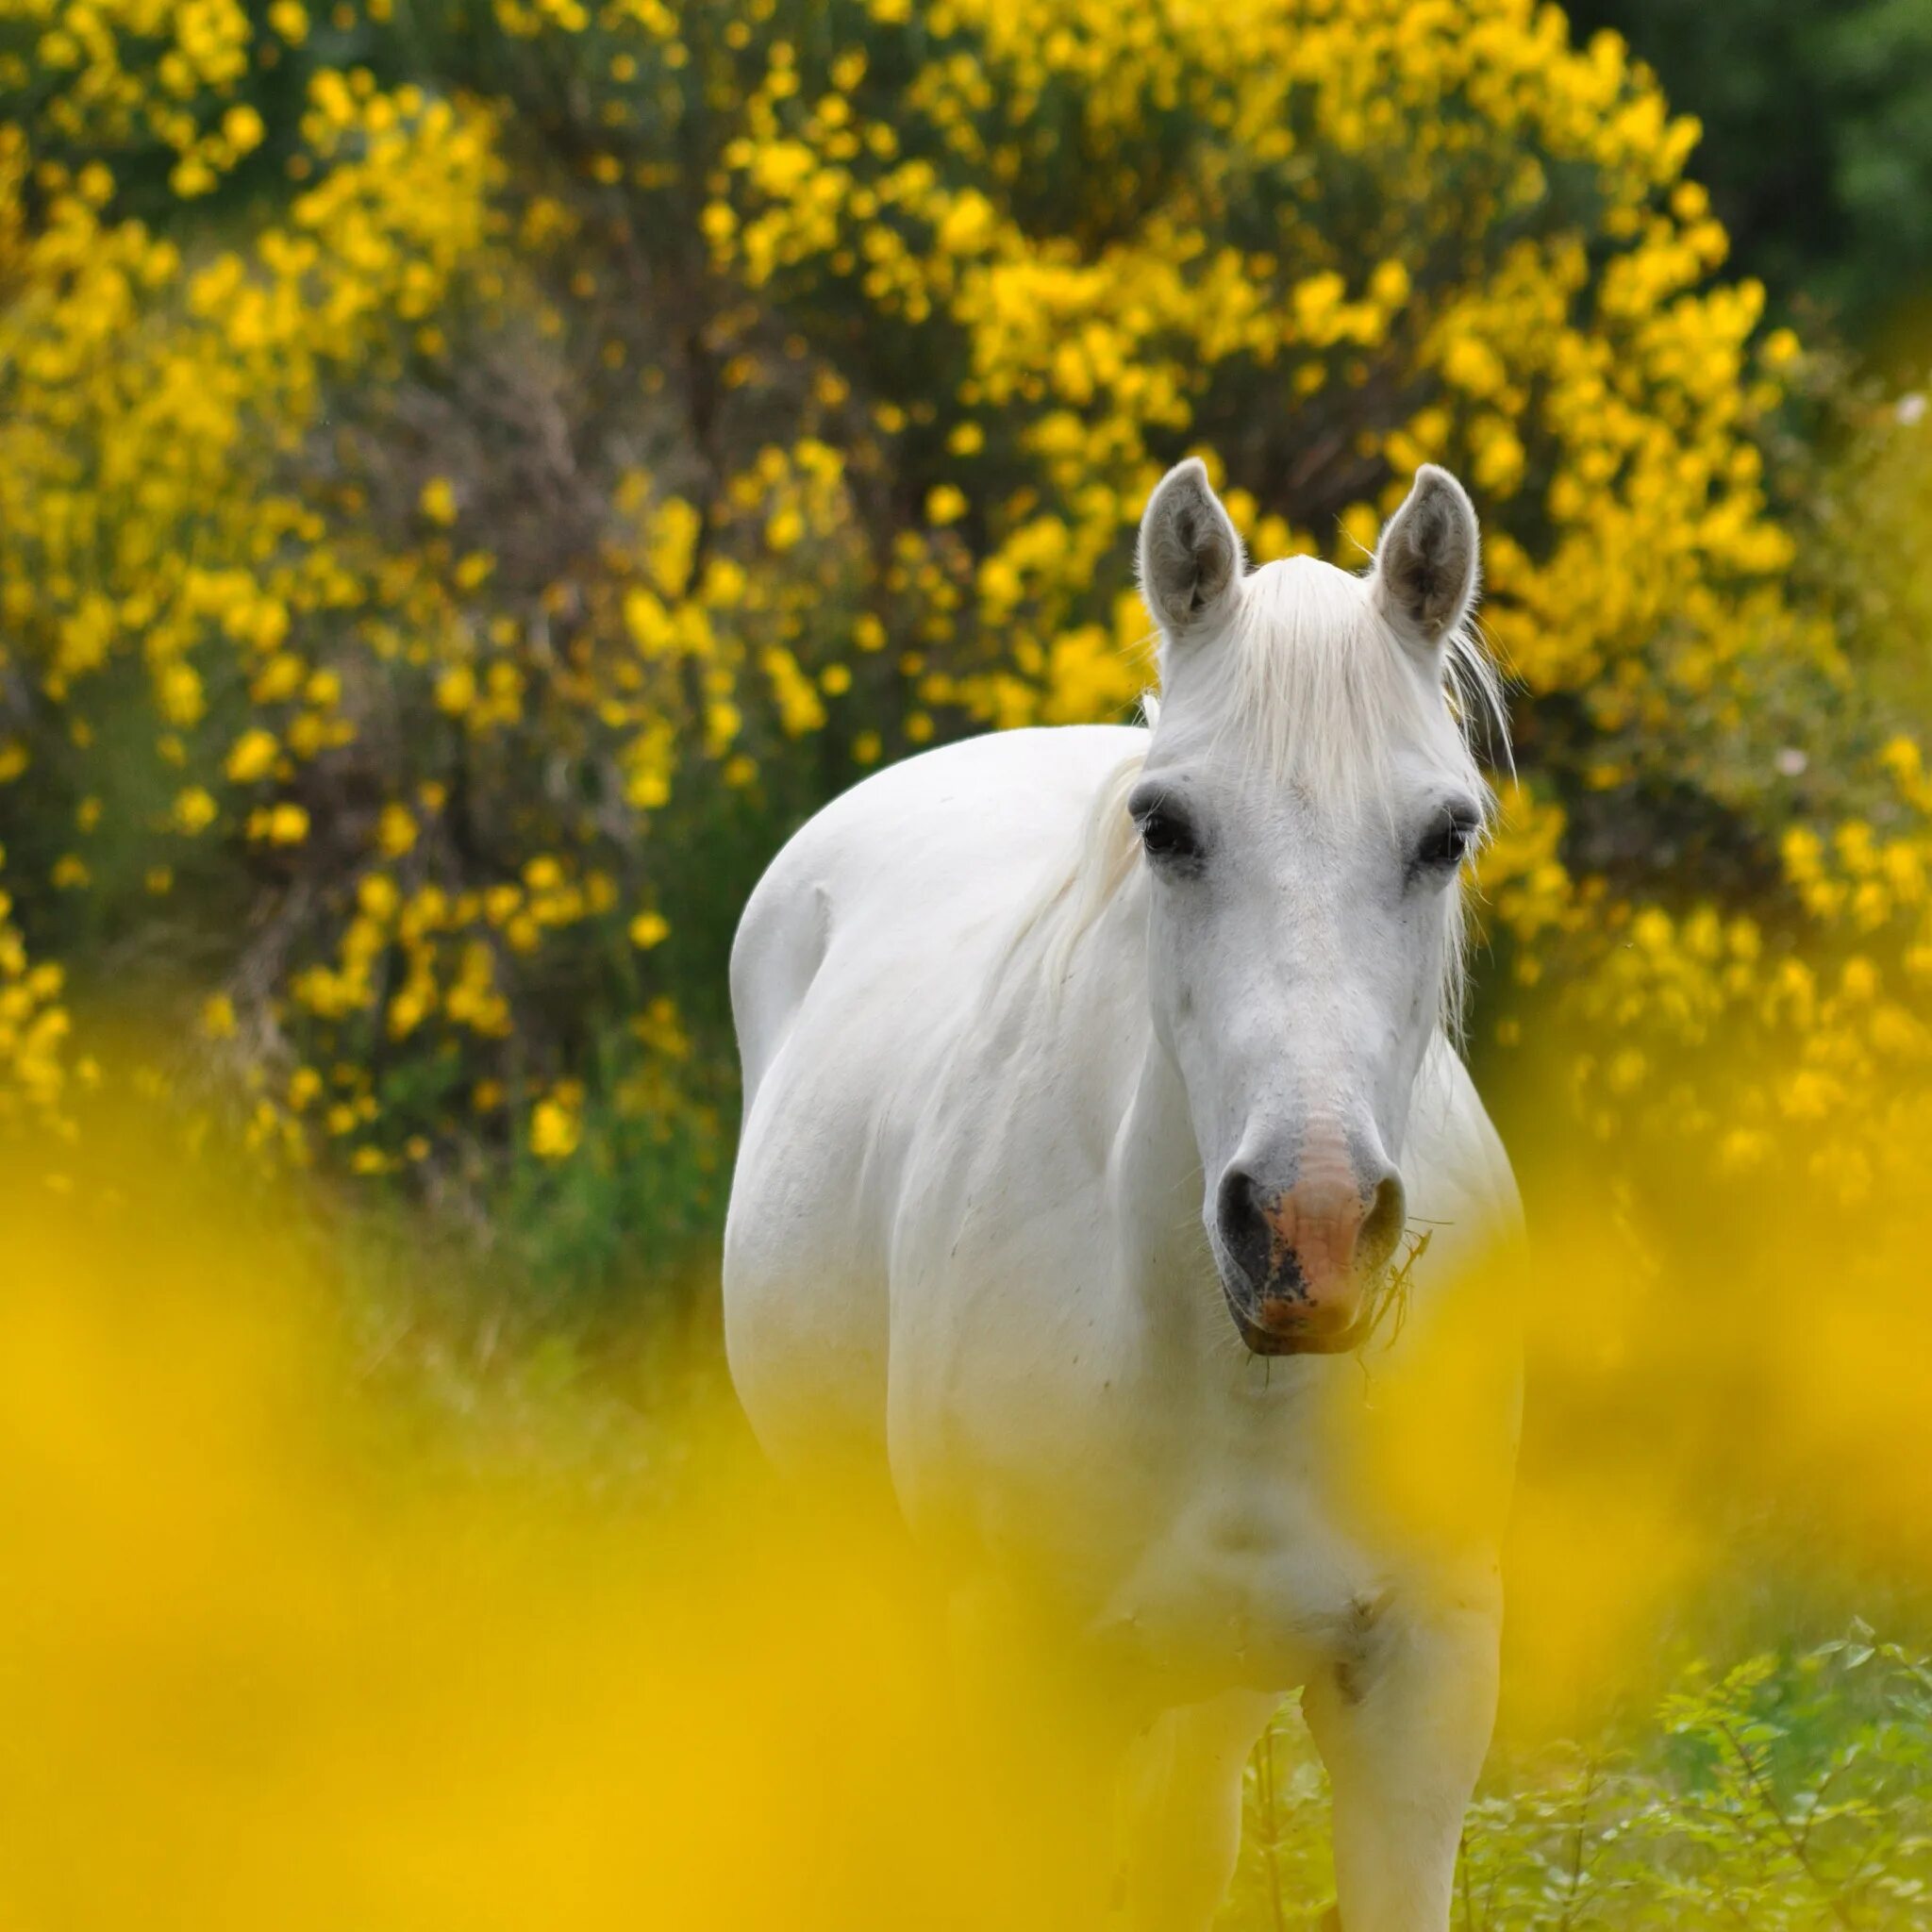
1307,802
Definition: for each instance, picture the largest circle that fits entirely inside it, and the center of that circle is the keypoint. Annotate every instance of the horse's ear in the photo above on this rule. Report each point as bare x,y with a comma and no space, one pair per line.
1427,562
1191,558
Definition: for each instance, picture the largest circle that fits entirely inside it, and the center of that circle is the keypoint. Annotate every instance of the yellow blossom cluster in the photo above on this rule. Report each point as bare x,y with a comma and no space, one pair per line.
1527,301
173,594
1790,1036
33,1025
289,690
114,79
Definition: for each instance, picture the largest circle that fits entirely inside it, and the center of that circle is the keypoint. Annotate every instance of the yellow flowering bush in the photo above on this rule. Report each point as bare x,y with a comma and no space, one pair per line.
467,485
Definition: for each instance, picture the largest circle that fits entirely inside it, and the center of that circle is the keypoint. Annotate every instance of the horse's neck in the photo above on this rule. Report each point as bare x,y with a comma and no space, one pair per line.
1155,1183
1087,1056
1150,1171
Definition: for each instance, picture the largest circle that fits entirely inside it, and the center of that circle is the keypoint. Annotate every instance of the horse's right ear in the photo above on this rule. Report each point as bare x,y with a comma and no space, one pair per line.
1191,558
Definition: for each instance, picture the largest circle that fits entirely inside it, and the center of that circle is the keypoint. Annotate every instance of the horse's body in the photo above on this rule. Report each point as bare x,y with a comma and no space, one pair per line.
967,1247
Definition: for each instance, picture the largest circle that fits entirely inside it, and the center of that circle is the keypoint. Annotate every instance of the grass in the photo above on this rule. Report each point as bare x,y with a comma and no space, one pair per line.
1791,1790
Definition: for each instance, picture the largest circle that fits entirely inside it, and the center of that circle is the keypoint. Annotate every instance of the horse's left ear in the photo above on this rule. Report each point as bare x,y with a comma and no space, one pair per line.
1427,562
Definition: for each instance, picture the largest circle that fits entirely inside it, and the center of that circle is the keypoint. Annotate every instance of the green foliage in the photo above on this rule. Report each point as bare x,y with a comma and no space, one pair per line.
1789,1794
1818,135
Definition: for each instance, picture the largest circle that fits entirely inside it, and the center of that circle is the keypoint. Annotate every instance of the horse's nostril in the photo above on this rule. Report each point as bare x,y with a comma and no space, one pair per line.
1388,1214
1311,1240
1244,1231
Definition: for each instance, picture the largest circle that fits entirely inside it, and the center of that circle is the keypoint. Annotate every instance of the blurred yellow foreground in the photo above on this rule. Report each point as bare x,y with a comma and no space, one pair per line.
265,1661
268,1659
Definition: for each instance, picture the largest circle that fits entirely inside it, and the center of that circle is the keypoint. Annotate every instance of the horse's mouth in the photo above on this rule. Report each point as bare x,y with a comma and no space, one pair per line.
1294,1324
1307,1331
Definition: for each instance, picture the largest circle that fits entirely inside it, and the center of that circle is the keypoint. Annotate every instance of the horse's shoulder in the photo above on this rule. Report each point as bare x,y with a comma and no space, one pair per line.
924,833
895,875
1029,771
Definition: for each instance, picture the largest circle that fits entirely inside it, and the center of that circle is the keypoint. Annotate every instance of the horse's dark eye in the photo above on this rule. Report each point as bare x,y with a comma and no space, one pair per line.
1167,835
1446,843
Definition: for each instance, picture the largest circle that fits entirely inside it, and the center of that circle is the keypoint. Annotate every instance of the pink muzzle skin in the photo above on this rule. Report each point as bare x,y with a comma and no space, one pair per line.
1308,1257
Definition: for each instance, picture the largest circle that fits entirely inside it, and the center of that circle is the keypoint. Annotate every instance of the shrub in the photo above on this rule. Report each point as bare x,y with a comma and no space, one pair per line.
470,483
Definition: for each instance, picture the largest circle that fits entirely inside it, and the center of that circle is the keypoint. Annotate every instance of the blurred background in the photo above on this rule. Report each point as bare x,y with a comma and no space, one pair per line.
475,477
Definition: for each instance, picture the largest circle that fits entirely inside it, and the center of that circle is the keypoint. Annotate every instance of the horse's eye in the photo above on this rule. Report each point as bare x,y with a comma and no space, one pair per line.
1446,843
1167,835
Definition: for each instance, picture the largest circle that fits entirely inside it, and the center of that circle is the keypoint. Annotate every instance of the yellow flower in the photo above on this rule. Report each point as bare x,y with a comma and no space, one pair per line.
554,1130
438,501
218,1017
252,757
193,810
456,689
241,127
287,824
396,831
649,929
180,694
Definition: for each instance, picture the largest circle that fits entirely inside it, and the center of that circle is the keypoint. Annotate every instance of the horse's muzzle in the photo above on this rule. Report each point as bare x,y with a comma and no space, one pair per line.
1298,1264
1275,1326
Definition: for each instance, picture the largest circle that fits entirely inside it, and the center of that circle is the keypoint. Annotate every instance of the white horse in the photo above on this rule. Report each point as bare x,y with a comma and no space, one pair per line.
1092,1079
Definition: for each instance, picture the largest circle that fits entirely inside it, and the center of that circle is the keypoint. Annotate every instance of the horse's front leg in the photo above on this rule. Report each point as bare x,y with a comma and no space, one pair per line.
1403,1723
1181,1811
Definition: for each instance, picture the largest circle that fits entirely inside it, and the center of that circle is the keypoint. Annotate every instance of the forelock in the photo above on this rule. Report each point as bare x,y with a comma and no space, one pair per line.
1309,682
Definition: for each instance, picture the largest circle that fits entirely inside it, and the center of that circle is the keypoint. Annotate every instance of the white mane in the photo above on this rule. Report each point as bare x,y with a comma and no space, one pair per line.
1314,688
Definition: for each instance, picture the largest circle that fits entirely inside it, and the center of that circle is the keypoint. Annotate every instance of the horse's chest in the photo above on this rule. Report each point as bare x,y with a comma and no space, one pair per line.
1177,1500
1183,1553
1243,1580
